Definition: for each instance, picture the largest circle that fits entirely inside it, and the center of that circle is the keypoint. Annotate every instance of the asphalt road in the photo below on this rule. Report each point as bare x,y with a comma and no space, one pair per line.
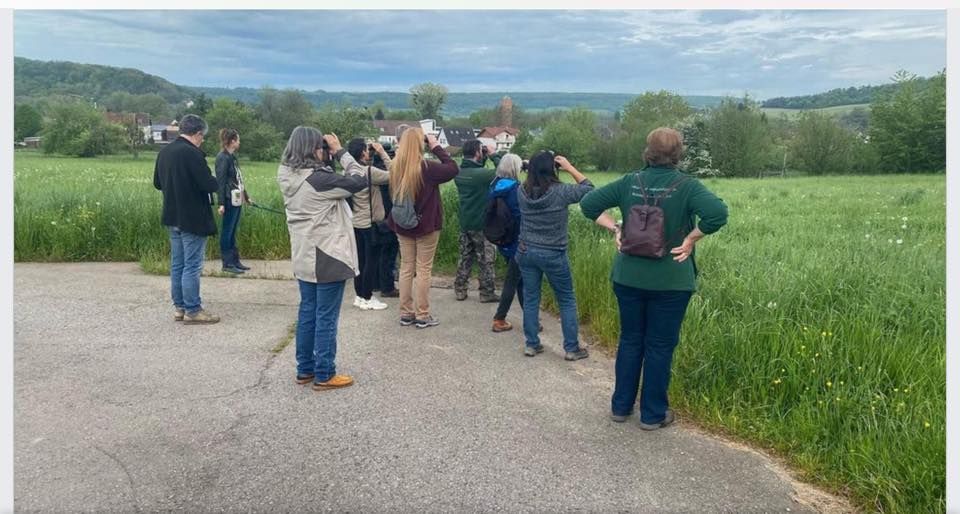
119,408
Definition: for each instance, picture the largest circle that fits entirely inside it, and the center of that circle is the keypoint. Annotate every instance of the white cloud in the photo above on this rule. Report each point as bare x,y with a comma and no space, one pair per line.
616,51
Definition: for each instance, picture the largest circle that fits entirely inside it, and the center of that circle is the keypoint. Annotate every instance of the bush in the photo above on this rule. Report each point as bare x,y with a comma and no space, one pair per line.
738,136
80,130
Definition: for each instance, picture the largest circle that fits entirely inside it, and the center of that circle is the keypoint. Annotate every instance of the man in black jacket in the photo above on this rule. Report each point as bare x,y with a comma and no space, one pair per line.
182,174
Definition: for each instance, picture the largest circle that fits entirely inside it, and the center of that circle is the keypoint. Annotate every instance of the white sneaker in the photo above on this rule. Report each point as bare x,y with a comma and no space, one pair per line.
375,304
360,303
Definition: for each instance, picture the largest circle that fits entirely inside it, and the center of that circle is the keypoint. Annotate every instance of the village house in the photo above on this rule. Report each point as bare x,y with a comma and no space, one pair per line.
388,131
455,136
502,138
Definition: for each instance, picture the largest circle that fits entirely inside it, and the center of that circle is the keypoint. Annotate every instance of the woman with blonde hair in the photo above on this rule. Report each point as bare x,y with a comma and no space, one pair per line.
417,217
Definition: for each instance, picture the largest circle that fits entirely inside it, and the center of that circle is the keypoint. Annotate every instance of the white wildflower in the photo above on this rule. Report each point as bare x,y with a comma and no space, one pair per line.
899,241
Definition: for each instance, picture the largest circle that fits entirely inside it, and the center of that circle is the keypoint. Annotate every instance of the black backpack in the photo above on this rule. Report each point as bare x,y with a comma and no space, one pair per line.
499,227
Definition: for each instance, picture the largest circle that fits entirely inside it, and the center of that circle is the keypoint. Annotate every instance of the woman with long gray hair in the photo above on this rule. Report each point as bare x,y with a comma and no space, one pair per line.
322,247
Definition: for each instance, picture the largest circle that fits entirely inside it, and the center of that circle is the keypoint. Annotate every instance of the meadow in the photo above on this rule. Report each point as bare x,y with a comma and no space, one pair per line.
818,331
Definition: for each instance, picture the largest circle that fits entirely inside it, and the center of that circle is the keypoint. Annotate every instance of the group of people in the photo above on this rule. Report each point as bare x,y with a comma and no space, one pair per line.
349,225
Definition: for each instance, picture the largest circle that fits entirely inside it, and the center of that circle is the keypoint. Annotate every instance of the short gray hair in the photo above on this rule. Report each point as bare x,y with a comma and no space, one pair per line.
192,124
301,147
509,166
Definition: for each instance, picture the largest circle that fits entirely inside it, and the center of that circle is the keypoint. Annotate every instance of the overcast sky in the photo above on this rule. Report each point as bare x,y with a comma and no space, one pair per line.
765,53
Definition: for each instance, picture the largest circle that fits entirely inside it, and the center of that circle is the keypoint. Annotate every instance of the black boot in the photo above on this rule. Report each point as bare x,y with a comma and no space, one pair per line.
236,261
229,262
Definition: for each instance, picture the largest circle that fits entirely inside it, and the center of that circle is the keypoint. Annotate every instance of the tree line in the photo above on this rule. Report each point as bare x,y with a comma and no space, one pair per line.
840,96
903,131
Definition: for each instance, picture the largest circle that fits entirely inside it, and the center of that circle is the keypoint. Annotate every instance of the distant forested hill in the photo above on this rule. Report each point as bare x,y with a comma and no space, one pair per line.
36,79
835,97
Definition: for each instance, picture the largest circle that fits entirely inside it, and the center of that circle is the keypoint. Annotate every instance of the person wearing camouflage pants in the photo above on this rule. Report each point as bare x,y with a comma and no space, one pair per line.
473,184
475,248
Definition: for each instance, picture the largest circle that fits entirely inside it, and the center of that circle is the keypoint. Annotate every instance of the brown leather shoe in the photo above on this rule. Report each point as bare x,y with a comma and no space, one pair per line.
304,379
335,382
200,317
501,325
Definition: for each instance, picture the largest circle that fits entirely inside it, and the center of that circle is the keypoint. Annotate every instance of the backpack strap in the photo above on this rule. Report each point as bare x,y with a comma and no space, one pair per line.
370,192
643,190
669,190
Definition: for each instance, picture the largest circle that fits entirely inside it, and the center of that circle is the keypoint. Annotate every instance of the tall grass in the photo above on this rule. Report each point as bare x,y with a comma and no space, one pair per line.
818,330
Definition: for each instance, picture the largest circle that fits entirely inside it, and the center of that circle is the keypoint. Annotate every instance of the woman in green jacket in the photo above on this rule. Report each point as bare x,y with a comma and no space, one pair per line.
653,292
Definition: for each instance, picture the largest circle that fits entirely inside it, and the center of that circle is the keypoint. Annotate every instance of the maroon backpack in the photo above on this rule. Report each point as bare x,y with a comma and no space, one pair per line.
642,234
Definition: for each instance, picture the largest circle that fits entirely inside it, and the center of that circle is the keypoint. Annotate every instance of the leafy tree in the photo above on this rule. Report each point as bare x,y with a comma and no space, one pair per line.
401,115
696,156
857,120
739,142
484,118
640,116
284,110
523,144
573,135
133,136
428,99
346,122
259,141
821,144
201,105
79,129
379,115
908,126
27,121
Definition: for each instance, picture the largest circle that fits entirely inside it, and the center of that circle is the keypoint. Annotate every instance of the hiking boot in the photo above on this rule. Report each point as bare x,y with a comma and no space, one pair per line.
619,418
580,353
335,382
178,314
531,351
390,294
201,317
375,305
233,269
304,379
501,325
461,296
489,299
429,321
667,420
406,321
240,265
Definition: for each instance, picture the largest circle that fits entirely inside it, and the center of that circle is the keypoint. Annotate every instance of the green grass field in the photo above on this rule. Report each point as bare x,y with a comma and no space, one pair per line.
818,331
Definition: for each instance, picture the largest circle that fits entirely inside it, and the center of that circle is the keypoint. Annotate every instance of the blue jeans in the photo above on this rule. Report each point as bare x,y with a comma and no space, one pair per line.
534,263
649,332
228,235
186,263
317,328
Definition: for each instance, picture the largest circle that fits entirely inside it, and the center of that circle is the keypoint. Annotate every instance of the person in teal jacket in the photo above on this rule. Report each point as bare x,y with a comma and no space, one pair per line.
653,293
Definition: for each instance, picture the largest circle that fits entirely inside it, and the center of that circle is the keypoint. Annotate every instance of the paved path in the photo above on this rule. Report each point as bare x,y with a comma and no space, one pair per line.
118,408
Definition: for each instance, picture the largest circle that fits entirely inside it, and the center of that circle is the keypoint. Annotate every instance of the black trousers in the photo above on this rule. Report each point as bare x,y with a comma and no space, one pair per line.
388,249
368,257
512,283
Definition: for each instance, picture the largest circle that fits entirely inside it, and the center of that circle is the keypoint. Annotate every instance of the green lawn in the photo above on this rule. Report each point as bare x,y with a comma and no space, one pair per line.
818,331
